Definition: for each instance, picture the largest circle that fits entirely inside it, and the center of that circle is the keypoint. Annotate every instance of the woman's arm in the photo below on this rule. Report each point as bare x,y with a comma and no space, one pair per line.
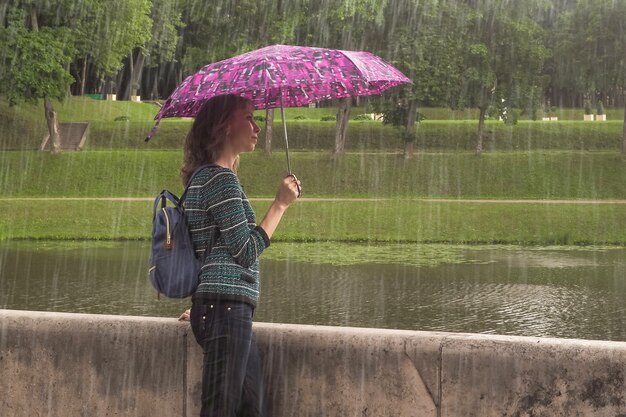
223,196
224,199
288,192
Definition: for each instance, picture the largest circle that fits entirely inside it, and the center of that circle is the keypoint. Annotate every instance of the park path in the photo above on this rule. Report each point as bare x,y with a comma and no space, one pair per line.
324,199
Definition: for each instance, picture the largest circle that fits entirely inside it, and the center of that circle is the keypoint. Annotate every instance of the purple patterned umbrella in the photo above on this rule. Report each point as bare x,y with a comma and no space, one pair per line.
283,76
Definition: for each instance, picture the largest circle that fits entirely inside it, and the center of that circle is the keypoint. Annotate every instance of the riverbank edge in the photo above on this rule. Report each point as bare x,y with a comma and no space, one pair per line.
150,366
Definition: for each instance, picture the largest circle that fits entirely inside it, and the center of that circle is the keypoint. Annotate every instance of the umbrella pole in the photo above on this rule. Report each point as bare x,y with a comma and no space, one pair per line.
282,112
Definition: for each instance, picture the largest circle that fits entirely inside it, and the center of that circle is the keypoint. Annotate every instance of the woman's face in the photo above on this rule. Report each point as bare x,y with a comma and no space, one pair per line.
243,130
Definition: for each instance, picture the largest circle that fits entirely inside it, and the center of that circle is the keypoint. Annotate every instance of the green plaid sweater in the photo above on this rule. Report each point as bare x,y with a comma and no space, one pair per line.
220,217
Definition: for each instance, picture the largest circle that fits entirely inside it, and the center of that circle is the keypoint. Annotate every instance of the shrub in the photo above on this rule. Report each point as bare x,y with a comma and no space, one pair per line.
511,117
362,117
259,118
395,116
300,117
398,116
121,119
328,118
588,107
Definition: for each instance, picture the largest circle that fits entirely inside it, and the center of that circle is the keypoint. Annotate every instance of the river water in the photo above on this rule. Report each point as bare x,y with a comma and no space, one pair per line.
558,292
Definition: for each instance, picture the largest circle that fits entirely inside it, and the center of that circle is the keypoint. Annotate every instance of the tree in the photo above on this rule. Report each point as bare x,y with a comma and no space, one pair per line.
592,47
503,58
122,26
399,116
165,17
102,33
277,25
428,51
34,64
341,25
216,30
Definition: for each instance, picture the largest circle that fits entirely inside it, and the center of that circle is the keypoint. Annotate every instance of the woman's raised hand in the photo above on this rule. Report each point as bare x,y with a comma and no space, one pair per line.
289,190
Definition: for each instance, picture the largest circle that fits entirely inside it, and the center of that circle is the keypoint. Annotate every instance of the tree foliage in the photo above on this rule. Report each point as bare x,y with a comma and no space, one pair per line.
33,64
495,55
591,47
119,27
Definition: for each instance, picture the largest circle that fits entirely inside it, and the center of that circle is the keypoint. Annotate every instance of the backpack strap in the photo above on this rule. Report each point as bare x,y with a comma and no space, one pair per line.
182,197
162,198
209,245
177,202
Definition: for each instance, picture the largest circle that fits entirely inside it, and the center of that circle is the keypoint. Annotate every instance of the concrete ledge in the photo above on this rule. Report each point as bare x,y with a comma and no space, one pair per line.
59,364
54,364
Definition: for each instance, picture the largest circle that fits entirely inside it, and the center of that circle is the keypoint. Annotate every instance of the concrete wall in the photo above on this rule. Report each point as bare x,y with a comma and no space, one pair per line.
55,364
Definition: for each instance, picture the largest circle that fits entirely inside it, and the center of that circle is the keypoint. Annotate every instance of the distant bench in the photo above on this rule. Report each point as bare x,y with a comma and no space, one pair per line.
73,136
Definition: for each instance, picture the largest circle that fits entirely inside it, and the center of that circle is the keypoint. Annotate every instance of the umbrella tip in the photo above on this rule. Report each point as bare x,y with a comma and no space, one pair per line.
153,130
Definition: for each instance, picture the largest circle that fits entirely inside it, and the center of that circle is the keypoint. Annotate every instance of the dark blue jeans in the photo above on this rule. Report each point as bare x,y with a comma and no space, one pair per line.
231,375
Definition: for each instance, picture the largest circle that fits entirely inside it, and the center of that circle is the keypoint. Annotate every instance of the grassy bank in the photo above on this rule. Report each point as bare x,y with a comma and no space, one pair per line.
23,127
532,160
384,221
518,175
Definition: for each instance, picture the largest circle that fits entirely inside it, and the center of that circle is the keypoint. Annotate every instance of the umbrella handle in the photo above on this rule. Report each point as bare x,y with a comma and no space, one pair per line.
297,185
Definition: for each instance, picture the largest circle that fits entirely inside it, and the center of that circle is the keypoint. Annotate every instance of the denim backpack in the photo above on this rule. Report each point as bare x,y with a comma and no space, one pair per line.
174,267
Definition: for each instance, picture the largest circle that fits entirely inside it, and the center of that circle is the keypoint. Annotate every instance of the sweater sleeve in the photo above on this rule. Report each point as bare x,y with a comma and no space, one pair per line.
224,200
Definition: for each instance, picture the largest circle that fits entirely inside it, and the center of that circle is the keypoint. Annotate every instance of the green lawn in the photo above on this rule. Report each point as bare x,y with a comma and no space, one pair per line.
385,221
495,175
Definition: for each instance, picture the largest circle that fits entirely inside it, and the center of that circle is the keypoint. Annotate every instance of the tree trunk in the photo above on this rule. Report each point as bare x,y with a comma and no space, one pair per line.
69,86
624,134
409,146
53,127
343,113
409,149
122,79
136,68
344,130
481,128
83,77
269,131
49,113
179,75
154,92
34,24
119,79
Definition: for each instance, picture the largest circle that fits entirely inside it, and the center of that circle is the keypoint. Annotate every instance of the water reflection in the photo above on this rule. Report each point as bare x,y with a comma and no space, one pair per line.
500,295
575,293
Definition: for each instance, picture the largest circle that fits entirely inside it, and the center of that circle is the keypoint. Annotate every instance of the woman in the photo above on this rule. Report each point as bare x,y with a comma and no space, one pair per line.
223,227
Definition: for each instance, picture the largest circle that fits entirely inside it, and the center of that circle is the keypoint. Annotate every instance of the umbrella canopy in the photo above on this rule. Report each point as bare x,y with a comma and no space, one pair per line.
283,75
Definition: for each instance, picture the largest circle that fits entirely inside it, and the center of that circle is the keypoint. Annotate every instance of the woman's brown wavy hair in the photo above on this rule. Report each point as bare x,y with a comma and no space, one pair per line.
208,133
